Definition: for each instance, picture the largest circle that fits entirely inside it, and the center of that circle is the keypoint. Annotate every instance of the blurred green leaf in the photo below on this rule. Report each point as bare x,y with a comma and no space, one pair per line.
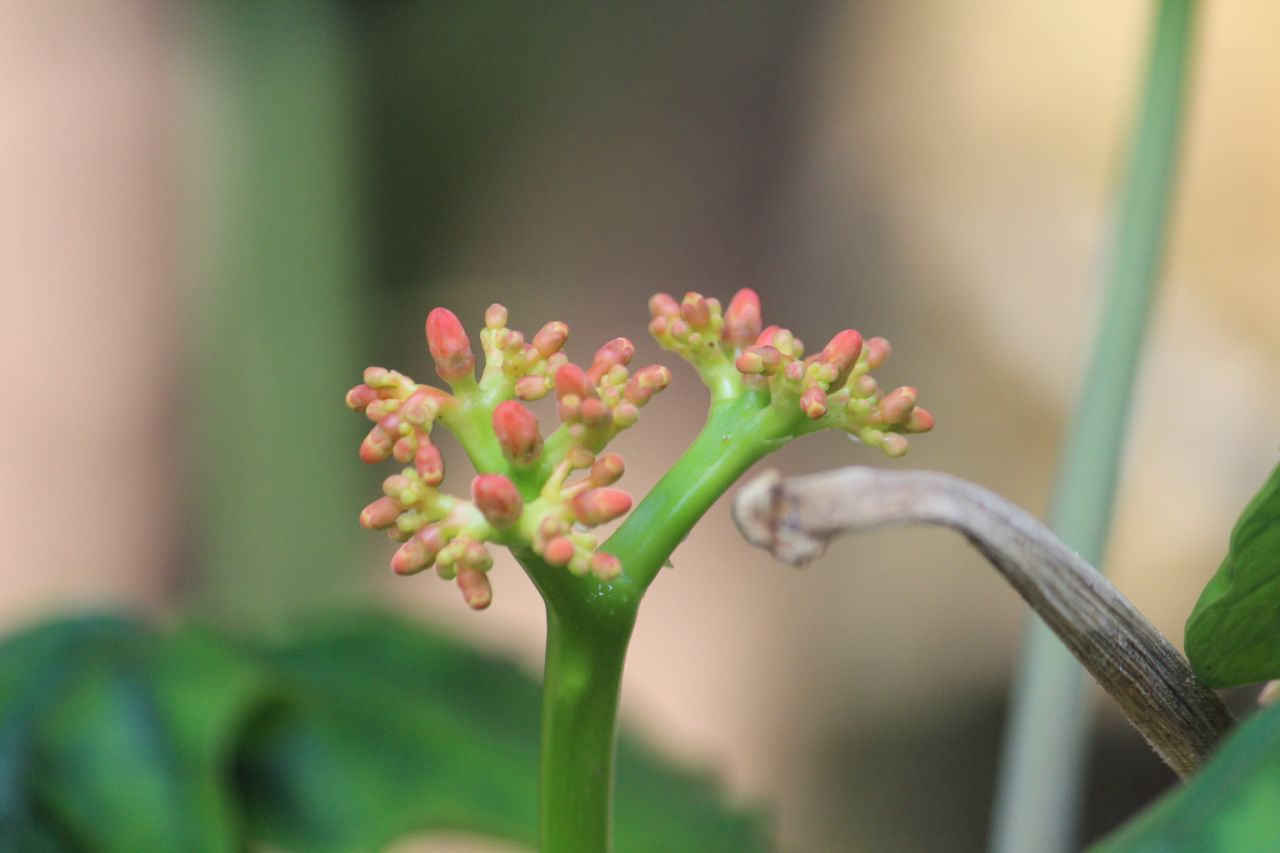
1230,805
1233,634
136,754
391,730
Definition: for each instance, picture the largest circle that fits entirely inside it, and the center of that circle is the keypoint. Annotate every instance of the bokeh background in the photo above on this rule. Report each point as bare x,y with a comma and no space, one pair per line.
214,214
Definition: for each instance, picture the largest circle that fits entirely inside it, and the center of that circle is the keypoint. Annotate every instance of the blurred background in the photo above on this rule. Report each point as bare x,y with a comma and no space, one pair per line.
215,214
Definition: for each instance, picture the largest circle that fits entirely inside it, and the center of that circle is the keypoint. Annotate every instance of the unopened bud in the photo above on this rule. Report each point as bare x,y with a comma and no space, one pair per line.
605,566
663,305
572,380
419,552
897,404
498,498
618,351
759,359
495,316
376,446
695,310
742,323
607,470
842,354
559,551
359,397
600,506
580,457
646,382
532,387
380,514
517,430
476,589
920,420
429,464
449,345
550,338
813,402
895,445
594,413
878,350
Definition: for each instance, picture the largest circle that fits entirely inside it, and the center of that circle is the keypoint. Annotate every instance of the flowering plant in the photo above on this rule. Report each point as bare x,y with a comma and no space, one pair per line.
540,496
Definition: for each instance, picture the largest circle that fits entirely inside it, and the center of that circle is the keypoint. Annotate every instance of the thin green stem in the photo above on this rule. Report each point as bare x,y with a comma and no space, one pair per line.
1043,759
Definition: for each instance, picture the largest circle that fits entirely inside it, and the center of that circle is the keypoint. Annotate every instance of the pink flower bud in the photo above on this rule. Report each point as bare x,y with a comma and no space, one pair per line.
498,498
359,397
759,359
380,514
594,413
878,350
404,449
618,351
449,345
429,464
895,445
532,387
517,430
571,379
580,457
920,420
476,590
495,316
600,506
842,354
607,470
475,557
813,402
605,566
559,551
647,382
419,552
897,404
695,310
550,338
742,323
376,446
663,305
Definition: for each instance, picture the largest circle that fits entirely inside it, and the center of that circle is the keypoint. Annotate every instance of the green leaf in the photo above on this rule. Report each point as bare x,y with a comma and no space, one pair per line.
1230,805
119,739
1233,634
388,730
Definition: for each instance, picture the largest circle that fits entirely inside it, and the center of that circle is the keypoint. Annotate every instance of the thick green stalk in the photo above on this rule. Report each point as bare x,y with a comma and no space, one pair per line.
589,624
1043,759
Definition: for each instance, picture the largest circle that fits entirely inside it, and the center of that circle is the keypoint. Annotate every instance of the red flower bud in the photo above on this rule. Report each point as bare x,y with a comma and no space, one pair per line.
600,506
449,345
814,402
550,338
376,446
695,310
594,413
517,430
897,404
559,551
920,420
607,470
742,321
380,514
618,351
605,566
663,305
646,382
476,590
498,498
419,552
878,350
359,397
571,379
842,353
430,464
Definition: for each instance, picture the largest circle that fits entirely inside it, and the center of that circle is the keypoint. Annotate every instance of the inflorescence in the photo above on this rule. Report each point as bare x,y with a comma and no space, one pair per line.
545,495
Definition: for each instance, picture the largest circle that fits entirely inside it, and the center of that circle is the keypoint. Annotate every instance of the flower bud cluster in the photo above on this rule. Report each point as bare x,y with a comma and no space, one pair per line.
832,388
451,533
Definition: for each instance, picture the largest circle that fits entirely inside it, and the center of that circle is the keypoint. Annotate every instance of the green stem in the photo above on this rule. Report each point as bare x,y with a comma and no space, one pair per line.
581,685
589,623
1043,759
736,436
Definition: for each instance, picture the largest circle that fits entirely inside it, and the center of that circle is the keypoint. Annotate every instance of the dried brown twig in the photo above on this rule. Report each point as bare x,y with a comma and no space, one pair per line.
1180,717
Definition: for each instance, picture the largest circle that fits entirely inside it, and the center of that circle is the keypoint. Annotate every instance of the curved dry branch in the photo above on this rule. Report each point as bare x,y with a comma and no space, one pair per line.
1180,717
